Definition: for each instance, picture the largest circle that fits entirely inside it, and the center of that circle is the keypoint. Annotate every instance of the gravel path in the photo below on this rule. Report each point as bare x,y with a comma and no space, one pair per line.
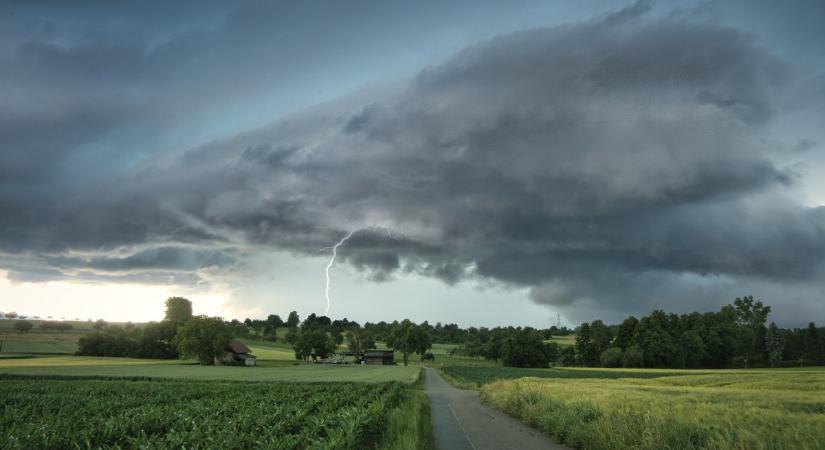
461,422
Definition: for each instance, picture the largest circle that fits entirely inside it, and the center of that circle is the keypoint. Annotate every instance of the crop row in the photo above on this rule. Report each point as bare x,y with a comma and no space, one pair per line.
53,414
481,375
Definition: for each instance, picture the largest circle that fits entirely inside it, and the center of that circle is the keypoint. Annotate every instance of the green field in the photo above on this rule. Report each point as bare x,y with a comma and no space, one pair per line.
79,366
754,409
52,414
568,340
474,376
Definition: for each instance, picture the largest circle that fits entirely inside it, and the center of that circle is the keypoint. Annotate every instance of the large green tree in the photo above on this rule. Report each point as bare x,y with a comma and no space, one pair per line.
314,342
408,337
751,316
204,338
525,348
359,341
774,344
178,310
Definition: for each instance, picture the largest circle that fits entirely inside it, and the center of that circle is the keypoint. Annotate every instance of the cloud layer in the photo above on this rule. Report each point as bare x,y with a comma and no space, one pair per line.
613,165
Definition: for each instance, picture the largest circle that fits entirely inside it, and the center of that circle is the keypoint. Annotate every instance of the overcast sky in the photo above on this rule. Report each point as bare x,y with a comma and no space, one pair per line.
496,163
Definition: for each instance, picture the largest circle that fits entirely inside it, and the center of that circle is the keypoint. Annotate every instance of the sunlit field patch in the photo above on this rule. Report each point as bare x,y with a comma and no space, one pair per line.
725,410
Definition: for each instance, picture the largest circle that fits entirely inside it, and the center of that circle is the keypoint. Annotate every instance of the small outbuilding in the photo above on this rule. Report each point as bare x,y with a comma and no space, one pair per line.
238,353
379,357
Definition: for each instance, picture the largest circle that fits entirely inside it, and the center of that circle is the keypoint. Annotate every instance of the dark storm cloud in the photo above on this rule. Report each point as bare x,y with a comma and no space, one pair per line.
616,164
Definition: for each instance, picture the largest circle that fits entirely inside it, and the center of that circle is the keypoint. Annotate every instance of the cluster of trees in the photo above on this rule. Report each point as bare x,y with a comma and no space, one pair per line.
735,336
179,334
24,326
319,337
513,346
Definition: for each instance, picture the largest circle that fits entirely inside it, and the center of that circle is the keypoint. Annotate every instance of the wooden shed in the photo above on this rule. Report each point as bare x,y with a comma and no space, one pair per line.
238,353
379,357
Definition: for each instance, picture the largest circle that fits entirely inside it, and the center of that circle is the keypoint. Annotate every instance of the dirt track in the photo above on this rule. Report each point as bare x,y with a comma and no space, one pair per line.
461,421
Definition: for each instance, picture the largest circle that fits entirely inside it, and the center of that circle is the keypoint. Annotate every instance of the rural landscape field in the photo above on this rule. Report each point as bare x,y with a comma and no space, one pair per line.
429,225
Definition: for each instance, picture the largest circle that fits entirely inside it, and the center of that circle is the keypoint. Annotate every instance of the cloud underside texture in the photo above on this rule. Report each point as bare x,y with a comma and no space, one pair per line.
611,165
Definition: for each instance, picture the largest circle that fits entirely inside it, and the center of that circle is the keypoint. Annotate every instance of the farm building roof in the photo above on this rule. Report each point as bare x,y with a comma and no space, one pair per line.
238,347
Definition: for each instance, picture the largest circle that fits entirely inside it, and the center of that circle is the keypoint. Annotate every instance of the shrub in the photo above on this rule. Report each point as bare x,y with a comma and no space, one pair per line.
612,357
633,357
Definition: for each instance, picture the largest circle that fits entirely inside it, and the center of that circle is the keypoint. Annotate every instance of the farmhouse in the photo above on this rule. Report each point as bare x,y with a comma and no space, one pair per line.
238,353
379,357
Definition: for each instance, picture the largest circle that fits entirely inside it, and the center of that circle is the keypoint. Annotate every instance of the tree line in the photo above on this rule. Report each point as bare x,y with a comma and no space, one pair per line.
735,336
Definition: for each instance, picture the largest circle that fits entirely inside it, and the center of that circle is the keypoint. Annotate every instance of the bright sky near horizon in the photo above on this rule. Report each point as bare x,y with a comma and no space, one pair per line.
498,163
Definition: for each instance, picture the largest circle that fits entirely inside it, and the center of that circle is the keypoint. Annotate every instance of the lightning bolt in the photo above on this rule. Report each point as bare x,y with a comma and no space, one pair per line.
331,263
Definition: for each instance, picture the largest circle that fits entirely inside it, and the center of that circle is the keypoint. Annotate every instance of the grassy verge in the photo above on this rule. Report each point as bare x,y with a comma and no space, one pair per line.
409,426
725,410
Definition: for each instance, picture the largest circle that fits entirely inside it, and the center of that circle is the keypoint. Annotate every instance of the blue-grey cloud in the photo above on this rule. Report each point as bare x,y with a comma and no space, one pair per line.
594,163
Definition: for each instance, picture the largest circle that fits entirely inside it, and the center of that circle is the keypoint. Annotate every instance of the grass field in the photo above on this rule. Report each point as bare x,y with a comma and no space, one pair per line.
563,340
754,409
474,376
77,366
57,414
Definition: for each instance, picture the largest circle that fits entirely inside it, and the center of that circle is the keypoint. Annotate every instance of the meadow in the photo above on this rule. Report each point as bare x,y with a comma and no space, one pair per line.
82,366
56,414
474,376
734,409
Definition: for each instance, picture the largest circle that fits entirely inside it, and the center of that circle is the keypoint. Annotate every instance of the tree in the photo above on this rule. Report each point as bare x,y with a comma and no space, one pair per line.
612,357
585,350
627,330
100,324
178,310
23,326
359,341
751,316
293,319
314,342
204,338
633,357
813,347
11,315
525,348
774,344
408,338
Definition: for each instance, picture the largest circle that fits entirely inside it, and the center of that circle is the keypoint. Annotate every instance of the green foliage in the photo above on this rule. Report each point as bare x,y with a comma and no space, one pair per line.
751,316
23,326
165,414
153,340
359,340
774,343
293,320
178,309
56,326
408,338
314,342
634,356
612,357
525,348
204,338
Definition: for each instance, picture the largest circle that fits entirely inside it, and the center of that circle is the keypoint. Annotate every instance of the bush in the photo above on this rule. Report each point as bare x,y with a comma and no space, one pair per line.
633,357
23,326
612,357
525,348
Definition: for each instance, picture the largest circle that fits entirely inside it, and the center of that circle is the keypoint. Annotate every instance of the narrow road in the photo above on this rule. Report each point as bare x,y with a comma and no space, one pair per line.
462,422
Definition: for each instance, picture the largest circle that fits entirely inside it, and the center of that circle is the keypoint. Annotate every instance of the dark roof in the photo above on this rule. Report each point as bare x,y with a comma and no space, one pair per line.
376,353
238,347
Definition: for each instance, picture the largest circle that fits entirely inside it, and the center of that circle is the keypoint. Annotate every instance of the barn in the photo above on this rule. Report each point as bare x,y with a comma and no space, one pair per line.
238,353
379,357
